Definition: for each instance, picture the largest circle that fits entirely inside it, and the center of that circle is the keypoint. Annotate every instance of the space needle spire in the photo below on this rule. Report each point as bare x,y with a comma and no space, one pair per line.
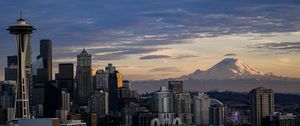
22,32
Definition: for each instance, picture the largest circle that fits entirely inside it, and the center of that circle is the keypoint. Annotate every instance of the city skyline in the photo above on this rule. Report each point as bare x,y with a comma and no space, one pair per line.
181,37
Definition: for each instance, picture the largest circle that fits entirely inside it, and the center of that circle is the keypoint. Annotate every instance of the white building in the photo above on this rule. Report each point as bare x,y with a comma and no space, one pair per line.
200,109
65,100
163,101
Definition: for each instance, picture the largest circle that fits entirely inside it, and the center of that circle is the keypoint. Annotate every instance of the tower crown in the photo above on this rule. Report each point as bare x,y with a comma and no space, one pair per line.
21,27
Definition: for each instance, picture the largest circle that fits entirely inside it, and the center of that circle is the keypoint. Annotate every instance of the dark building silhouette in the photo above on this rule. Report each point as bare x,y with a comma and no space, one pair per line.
41,74
53,102
175,86
114,81
46,55
11,69
65,78
84,77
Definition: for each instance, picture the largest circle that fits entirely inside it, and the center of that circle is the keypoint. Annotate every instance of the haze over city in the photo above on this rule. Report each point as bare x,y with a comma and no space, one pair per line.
161,39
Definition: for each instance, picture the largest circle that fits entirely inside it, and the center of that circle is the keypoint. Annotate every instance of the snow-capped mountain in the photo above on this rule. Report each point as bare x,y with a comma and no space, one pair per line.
230,74
229,68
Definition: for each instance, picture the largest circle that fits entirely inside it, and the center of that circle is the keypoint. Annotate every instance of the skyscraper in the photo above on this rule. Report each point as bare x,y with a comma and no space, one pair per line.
101,80
65,78
183,107
262,104
200,109
84,77
65,100
46,55
53,99
163,101
217,113
23,32
175,86
98,103
115,81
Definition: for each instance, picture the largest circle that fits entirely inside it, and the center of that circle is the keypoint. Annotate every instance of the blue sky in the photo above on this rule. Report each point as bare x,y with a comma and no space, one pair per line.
162,38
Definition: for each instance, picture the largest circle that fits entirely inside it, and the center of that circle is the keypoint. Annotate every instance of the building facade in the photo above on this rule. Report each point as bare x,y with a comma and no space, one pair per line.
200,109
262,104
83,77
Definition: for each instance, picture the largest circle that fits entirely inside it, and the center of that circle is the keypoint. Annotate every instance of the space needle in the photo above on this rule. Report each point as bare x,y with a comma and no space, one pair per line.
22,32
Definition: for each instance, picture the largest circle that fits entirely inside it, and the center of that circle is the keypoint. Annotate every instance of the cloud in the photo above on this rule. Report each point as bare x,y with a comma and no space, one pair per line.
150,57
185,56
282,46
143,24
230,54
165,69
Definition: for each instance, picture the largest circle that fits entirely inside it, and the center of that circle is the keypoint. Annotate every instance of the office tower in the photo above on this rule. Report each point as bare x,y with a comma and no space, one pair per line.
114,83
175,86
83,77
53,102
65,78
101,80
46,55
262,104
98,103
183,107
200,109
11,69
163,101
36,91
217,113
41,74
23,32
65,100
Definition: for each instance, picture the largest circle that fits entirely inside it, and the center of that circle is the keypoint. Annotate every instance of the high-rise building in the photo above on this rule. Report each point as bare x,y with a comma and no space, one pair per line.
84,77
217,113
115,81
65,100
46,55
163,101
53,102
175,86
200,109
65,78
262,104
101,80
41,74
11,69
182,107
23,32
98,103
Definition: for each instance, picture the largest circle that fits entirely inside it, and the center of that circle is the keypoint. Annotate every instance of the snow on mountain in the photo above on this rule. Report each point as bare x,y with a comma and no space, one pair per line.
228,68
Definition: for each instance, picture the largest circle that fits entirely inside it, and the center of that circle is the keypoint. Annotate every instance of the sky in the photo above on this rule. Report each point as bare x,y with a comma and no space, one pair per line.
156,39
